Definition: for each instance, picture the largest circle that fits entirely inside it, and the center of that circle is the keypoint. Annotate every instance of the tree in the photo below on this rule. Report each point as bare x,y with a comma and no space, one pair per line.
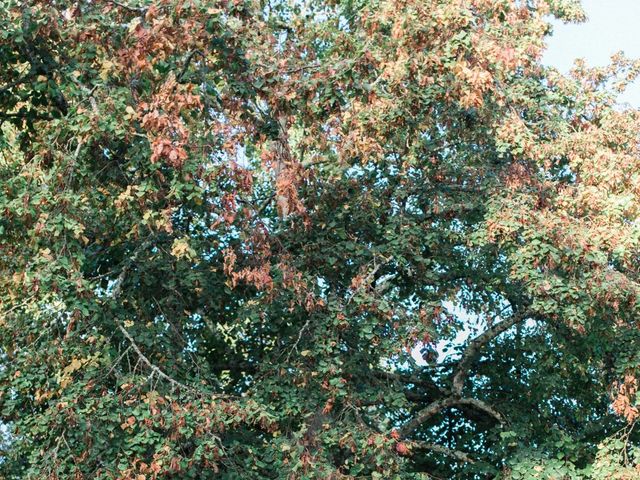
225,226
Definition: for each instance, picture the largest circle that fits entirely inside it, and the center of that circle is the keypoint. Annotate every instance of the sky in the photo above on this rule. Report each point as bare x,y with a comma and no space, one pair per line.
612,25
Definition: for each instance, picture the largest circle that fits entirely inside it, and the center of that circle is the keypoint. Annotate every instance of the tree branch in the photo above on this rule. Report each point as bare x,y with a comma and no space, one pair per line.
29,115
426,413
437,406
115,294
15,83
473,350
483,407
297,342
187,62
461,374
456,454
147,362
131,8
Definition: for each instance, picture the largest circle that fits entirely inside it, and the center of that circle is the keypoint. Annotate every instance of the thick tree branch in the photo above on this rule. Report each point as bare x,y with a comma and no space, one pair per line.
437,406
461,373
481,406
426,413
456,454
473,350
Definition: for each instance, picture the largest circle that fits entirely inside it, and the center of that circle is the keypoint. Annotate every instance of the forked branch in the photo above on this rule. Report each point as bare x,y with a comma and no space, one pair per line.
437,406
472,352
454,399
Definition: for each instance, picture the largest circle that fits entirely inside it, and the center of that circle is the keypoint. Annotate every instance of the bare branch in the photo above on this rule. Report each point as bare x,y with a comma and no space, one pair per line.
437,406
19,305
300,333
147,362
426,413
473,350
115,293
456,454
483,407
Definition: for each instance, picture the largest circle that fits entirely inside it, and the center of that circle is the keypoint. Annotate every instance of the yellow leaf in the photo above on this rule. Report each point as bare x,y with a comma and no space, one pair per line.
73,366
131,111
181,248
105,69
134,24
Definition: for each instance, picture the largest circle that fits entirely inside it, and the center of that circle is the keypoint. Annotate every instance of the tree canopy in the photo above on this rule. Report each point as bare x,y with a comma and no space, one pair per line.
237,235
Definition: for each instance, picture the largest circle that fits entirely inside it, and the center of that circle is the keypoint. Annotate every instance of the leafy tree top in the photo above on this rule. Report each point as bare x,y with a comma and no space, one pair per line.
227,227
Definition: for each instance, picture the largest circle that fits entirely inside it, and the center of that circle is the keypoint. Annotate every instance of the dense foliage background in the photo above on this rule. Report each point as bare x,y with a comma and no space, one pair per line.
226,225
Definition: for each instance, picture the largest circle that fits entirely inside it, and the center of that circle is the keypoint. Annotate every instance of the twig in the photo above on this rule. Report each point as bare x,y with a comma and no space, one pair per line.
266,203
15,307
115,363
89,93
295,345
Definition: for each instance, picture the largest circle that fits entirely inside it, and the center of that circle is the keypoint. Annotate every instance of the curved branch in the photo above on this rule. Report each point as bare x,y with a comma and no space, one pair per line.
426,413
147,362
473,350
437,406
131,8
483,407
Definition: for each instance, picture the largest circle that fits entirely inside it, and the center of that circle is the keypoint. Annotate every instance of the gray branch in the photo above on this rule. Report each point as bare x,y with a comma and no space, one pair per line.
473,350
